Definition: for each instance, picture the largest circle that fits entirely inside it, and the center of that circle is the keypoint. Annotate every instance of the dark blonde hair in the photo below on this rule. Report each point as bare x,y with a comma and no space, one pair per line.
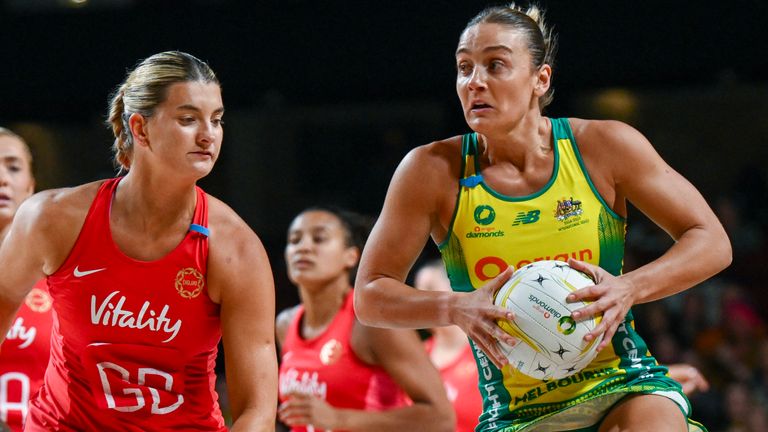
146,87
542,42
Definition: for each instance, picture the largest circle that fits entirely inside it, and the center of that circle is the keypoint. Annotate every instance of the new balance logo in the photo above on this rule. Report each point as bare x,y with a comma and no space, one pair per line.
78,273
526,217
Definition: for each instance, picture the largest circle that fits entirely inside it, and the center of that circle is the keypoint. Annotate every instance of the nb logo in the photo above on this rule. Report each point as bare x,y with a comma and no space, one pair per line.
526,217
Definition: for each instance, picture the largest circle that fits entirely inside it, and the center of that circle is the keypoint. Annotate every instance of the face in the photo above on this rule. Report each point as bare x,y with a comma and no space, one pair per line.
16,182
432,279
496,81
185,133
317,252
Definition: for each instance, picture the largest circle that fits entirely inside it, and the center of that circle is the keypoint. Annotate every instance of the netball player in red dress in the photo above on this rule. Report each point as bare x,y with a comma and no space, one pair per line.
451,353
148,273
24,354
337,374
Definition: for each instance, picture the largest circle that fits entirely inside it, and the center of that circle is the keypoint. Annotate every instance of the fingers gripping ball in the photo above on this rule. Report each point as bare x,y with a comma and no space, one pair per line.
552,344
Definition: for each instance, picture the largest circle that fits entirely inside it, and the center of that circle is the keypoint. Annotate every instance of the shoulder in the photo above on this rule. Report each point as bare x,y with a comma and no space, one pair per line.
56,207
436,156
283,322
613,148
237,261
606,135
53,219
228,229
427,169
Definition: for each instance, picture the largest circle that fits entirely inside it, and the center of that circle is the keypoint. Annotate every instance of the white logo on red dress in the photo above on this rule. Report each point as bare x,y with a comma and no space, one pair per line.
80,273
19,331
111,314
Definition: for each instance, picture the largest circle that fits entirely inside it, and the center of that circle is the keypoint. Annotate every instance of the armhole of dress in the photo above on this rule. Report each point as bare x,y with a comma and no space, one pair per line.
566,132
108,186
200,219
466,145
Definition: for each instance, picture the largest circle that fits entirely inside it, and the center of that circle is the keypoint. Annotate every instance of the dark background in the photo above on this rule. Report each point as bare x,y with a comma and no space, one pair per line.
325,97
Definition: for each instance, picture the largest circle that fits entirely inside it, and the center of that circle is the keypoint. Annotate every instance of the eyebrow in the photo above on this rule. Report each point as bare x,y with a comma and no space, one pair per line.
188,107
311,230
487,49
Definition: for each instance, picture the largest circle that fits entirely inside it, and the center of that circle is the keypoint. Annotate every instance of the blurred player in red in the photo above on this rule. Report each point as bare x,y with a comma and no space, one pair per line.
337,374
24,354
450,351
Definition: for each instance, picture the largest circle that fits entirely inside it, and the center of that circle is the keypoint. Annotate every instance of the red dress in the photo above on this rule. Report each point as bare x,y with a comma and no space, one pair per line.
134,342
24,355
461,385
328,368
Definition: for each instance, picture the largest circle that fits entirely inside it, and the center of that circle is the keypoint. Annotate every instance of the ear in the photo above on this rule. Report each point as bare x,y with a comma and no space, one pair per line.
351,257
543,80
138,128
31,188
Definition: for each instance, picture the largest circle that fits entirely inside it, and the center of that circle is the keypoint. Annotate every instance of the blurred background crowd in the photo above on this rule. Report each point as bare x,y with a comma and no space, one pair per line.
324,98
720,325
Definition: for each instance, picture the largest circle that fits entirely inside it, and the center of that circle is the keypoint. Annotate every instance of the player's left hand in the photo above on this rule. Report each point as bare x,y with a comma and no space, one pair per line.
611,296
689,377
302,410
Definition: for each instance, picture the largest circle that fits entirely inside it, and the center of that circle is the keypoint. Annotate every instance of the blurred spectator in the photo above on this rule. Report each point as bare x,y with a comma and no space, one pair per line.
738,407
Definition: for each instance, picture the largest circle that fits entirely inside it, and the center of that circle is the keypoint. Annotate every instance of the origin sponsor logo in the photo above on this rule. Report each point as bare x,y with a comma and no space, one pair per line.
484,266
484,232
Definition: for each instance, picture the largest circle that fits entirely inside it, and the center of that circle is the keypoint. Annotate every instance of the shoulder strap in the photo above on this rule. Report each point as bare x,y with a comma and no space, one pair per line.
471,176
200,219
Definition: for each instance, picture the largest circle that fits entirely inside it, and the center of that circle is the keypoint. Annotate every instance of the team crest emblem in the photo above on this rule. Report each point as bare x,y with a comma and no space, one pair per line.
189,282
38,301
567,208
330,353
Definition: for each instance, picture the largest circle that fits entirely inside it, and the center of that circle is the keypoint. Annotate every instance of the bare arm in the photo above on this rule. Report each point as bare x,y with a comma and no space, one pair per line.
403,357
239,271
397,239
701,248
282,323
641,176
419,200
21,260
43,232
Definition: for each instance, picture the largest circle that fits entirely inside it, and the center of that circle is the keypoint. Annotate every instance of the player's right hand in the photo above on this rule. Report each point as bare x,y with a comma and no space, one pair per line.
477,315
